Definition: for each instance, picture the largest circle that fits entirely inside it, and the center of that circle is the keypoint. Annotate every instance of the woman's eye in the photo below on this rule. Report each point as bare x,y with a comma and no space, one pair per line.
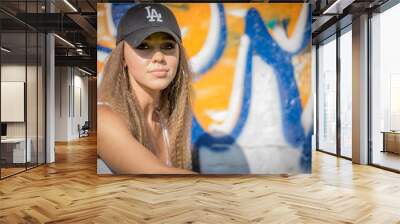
168,46
143,46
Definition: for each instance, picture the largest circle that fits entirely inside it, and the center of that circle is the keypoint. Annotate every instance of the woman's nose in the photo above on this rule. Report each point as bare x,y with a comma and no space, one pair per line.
158,56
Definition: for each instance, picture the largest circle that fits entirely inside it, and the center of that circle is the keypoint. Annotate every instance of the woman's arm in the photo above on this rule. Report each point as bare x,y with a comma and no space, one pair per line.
122,152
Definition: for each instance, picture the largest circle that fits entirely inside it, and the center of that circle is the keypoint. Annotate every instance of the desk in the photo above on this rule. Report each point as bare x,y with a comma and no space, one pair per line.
391,141
16,147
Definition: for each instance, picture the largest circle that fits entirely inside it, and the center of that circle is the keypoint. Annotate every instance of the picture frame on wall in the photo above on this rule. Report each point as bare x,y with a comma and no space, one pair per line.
204,88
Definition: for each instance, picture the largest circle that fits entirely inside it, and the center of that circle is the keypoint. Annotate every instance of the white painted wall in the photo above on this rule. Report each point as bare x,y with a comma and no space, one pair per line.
12,73
16,73
33,127
61,103
12,101
79,117
70,83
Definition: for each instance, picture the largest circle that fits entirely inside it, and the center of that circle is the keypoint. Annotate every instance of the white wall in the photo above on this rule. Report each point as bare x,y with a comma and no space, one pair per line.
61,103
12,73
80,83
12,101
33,127
70,84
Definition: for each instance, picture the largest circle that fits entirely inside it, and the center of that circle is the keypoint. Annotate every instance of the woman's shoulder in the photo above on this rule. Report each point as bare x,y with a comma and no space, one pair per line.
105,110
108,116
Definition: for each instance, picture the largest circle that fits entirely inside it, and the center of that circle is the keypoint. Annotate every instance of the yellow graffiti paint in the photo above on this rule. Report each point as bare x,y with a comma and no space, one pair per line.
212,92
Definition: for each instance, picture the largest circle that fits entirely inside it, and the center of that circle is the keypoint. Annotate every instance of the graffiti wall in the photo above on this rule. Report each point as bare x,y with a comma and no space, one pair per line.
252,106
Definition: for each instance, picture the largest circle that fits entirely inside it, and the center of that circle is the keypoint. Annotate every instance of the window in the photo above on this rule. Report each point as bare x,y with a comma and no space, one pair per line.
327,97
346,75
385,89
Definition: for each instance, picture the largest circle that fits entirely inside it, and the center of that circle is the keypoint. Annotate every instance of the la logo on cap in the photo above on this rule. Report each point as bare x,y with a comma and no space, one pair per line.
152,14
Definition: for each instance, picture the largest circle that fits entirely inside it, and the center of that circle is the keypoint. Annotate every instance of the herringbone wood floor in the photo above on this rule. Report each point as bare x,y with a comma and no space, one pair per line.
70,191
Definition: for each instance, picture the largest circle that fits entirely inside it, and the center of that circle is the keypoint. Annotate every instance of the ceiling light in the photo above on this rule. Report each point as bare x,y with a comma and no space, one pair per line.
337,7
329,9
5,49
84,71
65,41
70,5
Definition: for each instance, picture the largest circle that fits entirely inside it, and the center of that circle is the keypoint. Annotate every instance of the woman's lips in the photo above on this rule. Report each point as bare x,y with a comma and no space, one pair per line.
160,73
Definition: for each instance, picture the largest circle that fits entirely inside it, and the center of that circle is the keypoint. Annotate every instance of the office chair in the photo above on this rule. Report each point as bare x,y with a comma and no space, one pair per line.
84,130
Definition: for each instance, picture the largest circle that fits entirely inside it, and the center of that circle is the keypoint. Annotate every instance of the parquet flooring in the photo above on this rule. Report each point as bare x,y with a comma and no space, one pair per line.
70,191
387,159
10,171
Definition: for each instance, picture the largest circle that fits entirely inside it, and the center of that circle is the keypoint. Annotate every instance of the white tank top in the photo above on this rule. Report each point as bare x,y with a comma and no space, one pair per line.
164,129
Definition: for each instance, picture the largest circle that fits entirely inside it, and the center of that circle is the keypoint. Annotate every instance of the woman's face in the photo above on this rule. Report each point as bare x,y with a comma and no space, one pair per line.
154,62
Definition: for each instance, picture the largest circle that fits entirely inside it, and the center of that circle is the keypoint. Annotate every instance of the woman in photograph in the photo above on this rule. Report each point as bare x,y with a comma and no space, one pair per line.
144,97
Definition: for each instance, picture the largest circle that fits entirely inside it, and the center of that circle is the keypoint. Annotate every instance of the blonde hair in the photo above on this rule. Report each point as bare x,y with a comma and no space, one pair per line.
175,103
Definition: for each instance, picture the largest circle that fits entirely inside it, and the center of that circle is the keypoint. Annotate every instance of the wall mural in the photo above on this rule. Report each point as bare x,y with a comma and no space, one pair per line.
253,105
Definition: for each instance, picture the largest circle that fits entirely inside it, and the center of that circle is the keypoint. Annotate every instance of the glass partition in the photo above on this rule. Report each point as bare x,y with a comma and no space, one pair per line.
385,89
22,88
14,152
327,96
31,100
33,65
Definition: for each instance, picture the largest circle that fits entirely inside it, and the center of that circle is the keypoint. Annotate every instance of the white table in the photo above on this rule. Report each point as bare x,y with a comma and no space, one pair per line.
19,155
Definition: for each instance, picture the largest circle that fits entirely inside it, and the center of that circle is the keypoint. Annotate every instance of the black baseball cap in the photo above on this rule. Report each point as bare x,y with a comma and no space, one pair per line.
144,19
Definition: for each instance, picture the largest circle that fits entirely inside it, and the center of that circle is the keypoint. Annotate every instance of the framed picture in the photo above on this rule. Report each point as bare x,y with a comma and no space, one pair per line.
250,97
